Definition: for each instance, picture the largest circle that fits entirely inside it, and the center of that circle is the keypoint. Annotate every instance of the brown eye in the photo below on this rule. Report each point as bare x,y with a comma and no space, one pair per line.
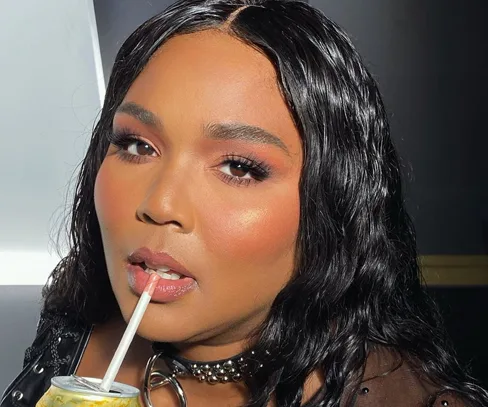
236,169
140,148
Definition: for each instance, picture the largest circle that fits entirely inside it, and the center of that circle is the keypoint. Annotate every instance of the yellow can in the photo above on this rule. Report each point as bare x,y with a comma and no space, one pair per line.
71,391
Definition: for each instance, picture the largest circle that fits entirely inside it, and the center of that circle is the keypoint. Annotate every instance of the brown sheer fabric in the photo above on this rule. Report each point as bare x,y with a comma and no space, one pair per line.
389,382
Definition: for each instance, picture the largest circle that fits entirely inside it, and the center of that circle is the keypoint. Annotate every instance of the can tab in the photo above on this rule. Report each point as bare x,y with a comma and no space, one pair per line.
90,385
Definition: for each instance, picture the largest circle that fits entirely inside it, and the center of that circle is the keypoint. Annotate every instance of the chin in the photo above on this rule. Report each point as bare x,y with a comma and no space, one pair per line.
170,322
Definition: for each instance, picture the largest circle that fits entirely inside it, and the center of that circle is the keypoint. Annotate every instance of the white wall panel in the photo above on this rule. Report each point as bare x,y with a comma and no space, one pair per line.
51,84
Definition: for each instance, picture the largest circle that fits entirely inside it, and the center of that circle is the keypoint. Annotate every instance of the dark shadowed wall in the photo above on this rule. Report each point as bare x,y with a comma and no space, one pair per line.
430,58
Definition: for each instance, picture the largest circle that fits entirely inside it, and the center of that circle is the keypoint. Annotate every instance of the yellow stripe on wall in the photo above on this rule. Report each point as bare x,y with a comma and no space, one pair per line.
452,270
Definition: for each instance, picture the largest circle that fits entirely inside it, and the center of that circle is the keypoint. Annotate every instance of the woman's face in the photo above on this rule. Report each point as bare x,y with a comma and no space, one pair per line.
204,167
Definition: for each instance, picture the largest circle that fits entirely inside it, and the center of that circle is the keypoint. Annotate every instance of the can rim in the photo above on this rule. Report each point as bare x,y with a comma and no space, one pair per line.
70,384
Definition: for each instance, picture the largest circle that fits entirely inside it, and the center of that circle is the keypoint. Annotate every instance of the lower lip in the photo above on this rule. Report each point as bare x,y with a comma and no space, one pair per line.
166,290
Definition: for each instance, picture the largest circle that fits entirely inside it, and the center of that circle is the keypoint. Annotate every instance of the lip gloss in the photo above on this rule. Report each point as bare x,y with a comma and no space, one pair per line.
165,291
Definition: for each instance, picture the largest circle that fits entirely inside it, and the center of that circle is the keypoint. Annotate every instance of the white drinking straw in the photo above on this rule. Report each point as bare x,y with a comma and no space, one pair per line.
129,333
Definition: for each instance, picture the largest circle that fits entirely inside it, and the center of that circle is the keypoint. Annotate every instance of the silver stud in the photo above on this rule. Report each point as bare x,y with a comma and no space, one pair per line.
37,369
213,380
60,339
17,395
194,366
228,363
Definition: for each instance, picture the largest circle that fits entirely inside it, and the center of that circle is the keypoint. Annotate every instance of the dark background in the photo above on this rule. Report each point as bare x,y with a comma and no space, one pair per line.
430,58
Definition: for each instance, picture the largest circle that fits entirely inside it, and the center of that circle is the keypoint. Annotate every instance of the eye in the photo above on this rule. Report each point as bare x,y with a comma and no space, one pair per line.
237,169
130,147
139,148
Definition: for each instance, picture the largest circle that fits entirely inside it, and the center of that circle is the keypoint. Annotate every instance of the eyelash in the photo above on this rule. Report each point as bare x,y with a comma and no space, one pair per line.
258,169
122,139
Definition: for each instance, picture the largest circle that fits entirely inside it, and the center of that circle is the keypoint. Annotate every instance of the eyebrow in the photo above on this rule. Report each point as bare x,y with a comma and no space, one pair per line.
244,132
216,131
141,114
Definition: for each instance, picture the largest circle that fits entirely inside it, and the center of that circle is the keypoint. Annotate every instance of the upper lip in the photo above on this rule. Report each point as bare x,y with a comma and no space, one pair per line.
156,260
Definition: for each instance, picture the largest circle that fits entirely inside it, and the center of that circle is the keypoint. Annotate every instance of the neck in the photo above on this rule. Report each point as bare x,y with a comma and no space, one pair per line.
209,352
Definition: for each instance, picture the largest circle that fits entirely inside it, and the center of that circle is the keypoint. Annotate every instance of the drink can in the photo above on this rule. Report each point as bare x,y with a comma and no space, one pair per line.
69,392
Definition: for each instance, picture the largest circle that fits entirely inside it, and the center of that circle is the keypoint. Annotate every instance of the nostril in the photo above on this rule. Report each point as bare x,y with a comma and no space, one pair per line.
146,218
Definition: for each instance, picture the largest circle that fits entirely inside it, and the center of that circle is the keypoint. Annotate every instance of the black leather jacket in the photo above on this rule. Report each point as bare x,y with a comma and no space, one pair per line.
56,351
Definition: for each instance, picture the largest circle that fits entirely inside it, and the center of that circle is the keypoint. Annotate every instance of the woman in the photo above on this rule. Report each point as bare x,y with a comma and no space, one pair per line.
243,150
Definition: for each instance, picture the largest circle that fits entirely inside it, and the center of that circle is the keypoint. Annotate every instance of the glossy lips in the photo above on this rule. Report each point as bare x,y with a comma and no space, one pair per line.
175,282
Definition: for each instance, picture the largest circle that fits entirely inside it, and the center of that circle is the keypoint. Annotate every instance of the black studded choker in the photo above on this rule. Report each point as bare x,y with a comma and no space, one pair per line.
221,371
229,370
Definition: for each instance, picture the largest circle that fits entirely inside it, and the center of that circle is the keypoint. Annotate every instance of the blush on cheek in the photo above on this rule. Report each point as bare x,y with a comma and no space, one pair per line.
258,235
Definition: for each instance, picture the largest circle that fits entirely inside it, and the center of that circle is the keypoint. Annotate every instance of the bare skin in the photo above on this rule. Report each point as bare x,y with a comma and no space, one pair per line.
235,229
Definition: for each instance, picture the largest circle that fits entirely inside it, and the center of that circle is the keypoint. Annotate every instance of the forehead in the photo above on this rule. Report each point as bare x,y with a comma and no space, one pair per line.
211,77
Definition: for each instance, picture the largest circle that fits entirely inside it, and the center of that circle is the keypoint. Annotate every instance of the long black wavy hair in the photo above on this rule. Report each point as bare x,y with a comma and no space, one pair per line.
357,283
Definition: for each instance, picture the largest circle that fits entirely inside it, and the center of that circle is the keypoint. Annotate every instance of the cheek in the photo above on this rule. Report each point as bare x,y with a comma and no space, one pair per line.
261,232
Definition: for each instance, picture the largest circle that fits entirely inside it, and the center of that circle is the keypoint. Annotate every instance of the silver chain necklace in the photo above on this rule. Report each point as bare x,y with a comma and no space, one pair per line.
230,370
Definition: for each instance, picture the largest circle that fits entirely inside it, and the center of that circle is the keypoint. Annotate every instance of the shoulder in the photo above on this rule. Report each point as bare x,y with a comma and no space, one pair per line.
56,350
390,381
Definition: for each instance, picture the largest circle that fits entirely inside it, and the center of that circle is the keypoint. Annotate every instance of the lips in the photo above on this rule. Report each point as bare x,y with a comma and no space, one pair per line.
146,258
176,280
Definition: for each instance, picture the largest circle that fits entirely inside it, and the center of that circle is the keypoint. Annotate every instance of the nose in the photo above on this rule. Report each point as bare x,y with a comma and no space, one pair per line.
167,202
